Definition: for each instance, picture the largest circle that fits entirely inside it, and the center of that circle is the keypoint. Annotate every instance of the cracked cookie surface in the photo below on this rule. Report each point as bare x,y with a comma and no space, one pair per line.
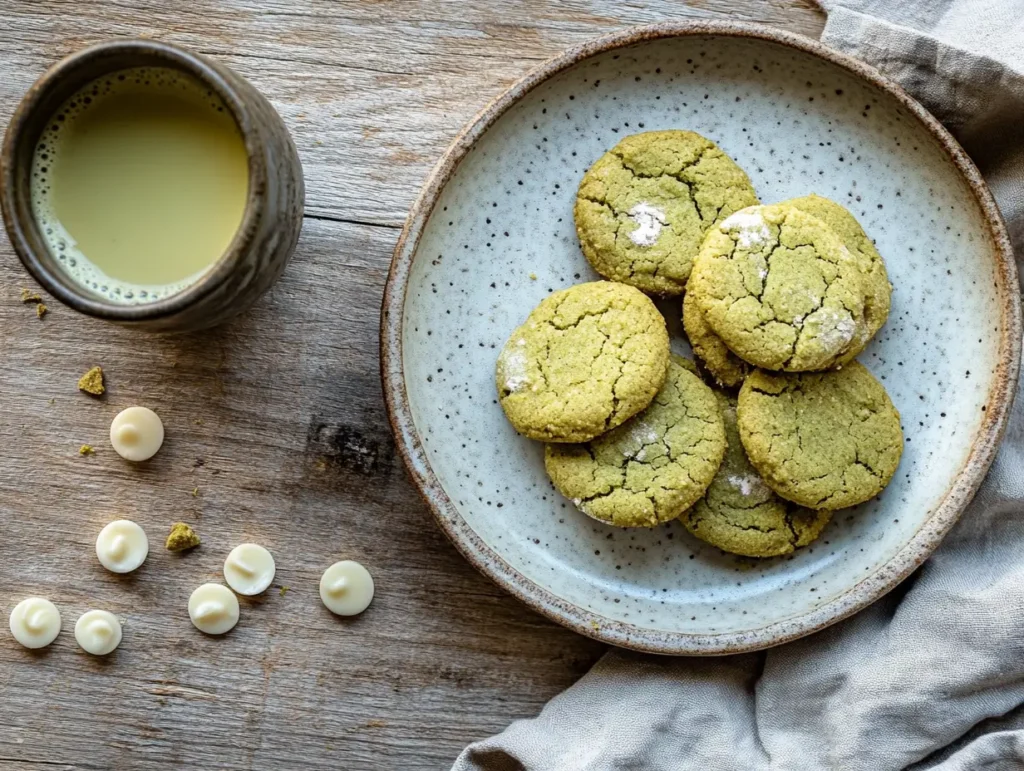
725,367
877,289
587,359
740,514
652,468
644,207
780,289
825,440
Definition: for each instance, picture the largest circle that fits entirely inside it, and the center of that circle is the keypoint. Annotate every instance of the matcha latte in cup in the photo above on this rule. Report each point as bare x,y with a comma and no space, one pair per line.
147,185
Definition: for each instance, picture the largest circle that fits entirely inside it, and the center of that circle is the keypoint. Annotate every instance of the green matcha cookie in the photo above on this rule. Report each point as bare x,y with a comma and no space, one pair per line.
652,468
878,290
780,289
826,440
725,367
642,210
587,359
740,514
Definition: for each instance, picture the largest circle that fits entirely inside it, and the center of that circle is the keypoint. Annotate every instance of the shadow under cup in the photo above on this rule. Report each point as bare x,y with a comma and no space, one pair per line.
271,220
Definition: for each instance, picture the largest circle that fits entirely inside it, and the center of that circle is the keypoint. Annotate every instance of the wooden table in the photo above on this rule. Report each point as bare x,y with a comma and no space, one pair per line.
276,426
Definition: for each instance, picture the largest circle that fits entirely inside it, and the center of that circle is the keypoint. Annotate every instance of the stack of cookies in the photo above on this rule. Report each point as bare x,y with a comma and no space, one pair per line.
778,301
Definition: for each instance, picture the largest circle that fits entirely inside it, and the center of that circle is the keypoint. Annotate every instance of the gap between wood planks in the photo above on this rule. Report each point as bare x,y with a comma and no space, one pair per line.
329,218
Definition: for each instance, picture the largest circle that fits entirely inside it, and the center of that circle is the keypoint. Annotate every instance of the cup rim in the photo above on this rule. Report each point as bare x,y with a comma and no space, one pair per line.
23,231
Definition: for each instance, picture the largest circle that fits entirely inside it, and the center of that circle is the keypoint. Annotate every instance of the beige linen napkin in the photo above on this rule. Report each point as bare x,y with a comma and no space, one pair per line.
932,676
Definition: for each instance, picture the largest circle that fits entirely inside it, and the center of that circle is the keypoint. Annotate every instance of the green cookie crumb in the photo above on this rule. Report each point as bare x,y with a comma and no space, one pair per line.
86,449
182,537
92,382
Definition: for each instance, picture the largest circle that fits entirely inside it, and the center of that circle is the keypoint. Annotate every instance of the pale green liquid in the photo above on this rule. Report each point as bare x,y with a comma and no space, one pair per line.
142,185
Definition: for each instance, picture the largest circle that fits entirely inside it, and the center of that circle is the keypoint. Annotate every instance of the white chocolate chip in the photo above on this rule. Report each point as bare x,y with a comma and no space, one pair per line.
346,588
249,569
98,632
122,546
213,609
137,433
35,622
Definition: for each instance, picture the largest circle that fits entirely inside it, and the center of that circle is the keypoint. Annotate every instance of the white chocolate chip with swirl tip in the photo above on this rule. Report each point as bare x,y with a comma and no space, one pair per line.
122,546
98,632
213,609
249,569
346,588
35,622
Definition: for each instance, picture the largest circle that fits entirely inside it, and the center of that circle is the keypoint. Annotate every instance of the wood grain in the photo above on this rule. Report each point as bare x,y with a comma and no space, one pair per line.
276,423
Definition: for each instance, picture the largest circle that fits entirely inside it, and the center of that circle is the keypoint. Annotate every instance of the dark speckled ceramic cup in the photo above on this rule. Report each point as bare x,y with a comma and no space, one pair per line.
270,225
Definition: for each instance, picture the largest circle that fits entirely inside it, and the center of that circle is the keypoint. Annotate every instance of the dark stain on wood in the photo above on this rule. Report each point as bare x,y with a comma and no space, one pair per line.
364,451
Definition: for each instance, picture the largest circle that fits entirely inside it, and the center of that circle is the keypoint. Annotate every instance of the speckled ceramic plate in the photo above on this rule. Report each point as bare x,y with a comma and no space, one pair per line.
497,211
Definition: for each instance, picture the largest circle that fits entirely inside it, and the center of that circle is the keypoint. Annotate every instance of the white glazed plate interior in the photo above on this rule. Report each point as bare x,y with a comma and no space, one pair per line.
797,124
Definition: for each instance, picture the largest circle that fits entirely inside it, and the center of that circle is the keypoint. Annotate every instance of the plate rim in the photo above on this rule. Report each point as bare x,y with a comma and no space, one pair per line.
637,637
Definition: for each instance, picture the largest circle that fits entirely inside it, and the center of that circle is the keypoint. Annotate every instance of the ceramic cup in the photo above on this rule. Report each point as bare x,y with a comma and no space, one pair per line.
270,224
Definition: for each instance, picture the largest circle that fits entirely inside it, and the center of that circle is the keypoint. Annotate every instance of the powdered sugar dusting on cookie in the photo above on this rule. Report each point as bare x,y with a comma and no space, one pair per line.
649,222
514,367
639,435
749,484
836,329
750,228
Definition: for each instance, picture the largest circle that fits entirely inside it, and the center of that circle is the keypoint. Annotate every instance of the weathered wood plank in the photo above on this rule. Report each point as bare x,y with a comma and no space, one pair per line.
277,423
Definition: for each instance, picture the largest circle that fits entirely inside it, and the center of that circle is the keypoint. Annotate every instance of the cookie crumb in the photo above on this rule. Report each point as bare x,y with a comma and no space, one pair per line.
284,590
86,449
533,277
92,382
195,492
28,296
182,537
41,310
